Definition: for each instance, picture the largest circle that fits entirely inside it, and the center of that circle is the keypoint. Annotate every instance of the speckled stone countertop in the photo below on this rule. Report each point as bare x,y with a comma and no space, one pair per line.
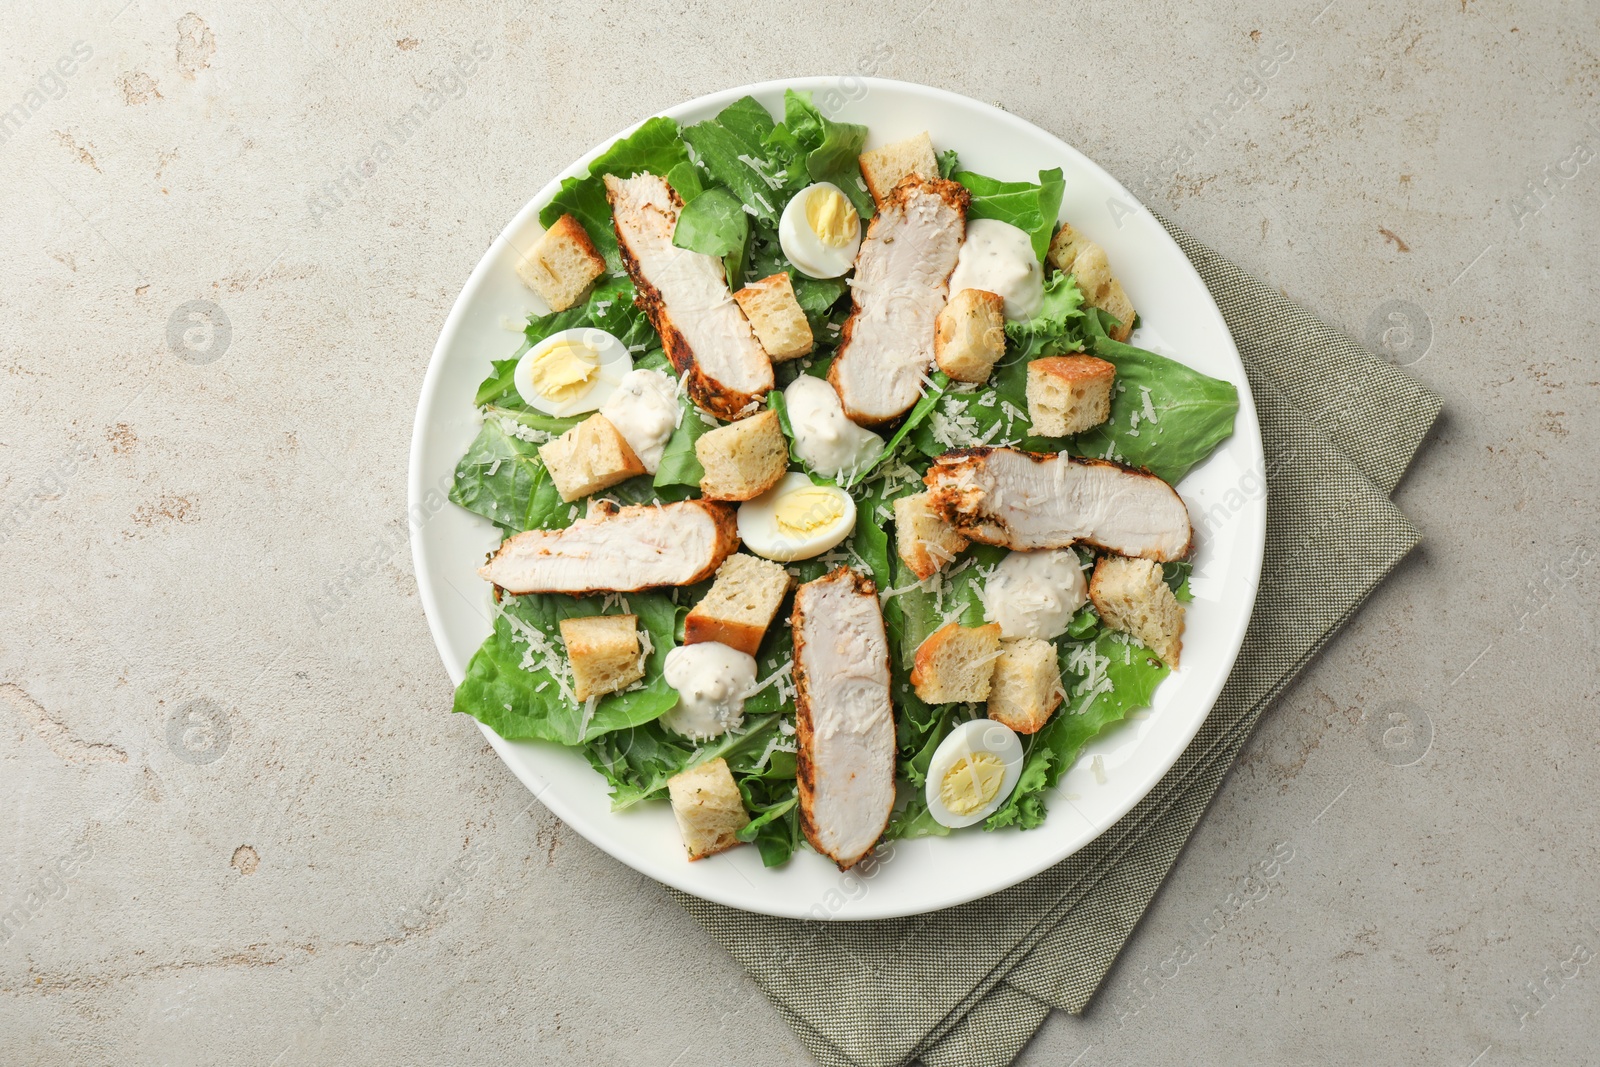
239,820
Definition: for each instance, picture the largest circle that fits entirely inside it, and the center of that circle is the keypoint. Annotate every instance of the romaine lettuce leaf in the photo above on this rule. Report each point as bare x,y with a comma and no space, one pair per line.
833,149
1029,207
738,149
654,147
503,479
1193,412
1106,677
714,223
518,683
679,464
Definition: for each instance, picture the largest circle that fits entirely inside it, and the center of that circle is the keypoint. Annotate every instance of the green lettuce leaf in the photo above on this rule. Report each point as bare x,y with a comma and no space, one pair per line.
714,223
503,479
739,149
655,147
638,761
1193,412
949,596
512,684
1132,673
898,444
833,149
679,464
1059,326
914,820
1029,207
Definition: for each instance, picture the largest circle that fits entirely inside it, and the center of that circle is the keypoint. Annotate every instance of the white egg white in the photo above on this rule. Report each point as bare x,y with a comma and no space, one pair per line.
614,358
968,738
759,530
802,245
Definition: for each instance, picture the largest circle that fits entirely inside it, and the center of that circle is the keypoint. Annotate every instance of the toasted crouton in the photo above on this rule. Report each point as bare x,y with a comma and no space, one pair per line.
883,168
743,459
1130,596
604,653
956,663
1069,394
1026,687
775,315
1114,300
740,604
708,807
1086,261
1065,246
970,335
588,458
924,540
561,264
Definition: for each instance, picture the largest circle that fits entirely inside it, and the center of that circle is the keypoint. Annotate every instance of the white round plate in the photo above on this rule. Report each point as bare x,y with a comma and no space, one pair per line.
1226,497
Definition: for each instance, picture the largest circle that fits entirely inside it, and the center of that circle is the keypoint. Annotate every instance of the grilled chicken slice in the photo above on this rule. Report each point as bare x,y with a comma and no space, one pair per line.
1002,496
844,721
618,550
900,286
685,294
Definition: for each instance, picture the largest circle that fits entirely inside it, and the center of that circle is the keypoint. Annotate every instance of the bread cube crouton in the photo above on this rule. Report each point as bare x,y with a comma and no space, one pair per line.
1115,301
1026,687
1086,261
922,538
1130,596
883,168
775,315
1069,394
588,458
956,663
743,459
1064,248
604,653
561,264
970,335
740,604
708,807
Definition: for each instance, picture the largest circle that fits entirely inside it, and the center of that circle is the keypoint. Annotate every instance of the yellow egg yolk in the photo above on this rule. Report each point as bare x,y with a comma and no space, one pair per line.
972,782
832,217
805,511
562,371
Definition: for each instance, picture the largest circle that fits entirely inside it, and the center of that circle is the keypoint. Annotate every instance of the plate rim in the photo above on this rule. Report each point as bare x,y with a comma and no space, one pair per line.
1254,534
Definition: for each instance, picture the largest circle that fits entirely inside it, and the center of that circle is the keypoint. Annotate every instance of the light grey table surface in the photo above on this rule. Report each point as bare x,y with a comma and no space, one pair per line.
221,537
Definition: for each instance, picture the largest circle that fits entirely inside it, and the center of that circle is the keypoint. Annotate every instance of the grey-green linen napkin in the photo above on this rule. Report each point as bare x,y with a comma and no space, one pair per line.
970,985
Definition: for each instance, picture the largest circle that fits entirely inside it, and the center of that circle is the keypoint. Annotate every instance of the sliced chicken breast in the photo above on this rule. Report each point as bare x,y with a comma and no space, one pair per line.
685,294
844,722
900,286
619,550
1002,496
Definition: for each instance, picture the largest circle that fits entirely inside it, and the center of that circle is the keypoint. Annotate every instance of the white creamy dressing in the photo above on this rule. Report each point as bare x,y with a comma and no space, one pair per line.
644,409
824,438
712,681
998,258
1035,594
